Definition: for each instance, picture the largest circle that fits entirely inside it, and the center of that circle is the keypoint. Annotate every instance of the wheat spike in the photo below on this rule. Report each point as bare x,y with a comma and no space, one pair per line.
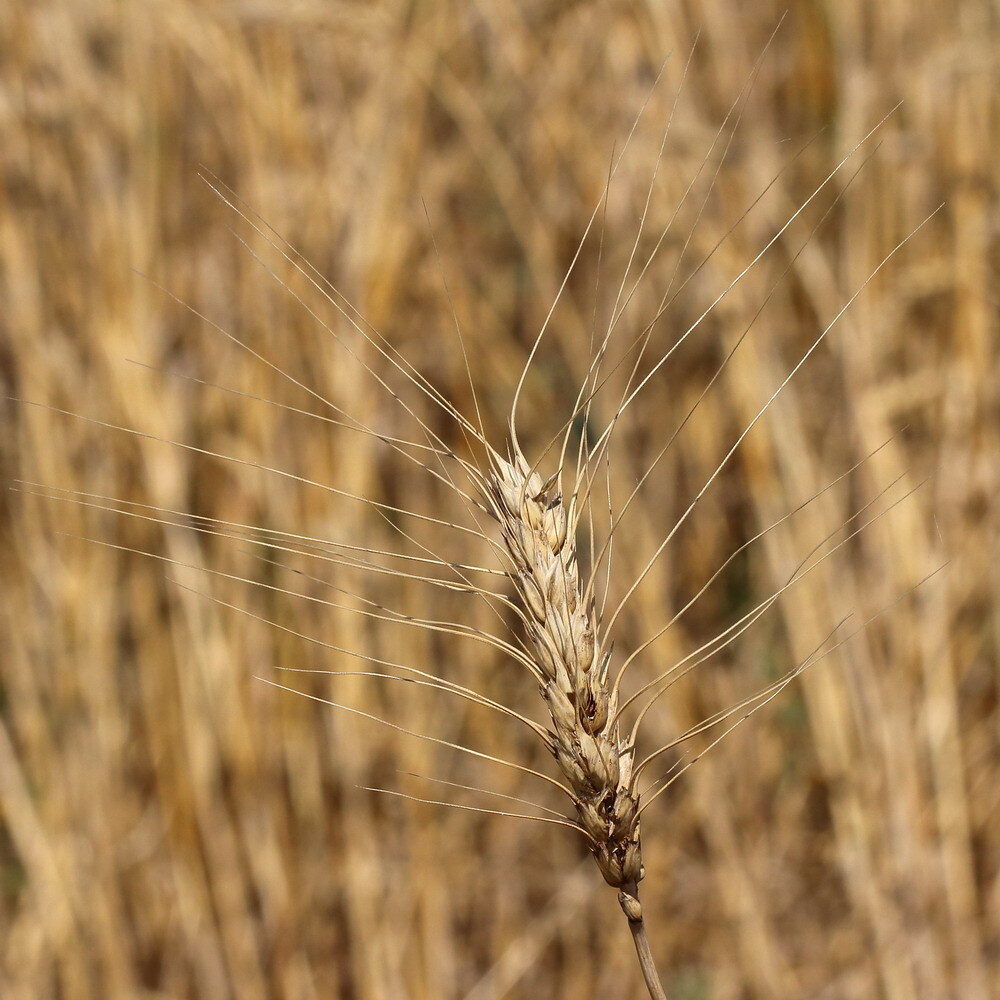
538,530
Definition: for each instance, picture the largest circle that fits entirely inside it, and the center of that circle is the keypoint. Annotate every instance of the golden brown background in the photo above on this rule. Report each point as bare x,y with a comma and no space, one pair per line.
172,828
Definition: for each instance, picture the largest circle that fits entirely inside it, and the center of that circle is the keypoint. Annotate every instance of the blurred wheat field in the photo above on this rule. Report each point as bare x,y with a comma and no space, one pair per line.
171,827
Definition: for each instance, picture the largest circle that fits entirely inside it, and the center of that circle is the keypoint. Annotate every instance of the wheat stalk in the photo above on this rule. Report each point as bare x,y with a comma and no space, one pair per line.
572,669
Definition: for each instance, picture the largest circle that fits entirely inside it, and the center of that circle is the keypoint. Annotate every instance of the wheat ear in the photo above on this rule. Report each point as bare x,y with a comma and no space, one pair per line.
539,533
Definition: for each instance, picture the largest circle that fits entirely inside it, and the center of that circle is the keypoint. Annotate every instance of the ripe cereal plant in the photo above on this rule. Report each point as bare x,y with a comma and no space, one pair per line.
620,458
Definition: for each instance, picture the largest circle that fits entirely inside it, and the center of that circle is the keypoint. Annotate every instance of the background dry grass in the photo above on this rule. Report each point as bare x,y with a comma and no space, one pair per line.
170,827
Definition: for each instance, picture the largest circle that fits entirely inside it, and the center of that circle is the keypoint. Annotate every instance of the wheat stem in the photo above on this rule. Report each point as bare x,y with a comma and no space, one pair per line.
629,900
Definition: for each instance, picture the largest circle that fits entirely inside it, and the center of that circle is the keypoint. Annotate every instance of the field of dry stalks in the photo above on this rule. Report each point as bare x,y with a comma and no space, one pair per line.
172,827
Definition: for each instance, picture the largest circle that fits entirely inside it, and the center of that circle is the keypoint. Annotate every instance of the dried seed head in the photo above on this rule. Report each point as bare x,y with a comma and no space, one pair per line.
538,531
